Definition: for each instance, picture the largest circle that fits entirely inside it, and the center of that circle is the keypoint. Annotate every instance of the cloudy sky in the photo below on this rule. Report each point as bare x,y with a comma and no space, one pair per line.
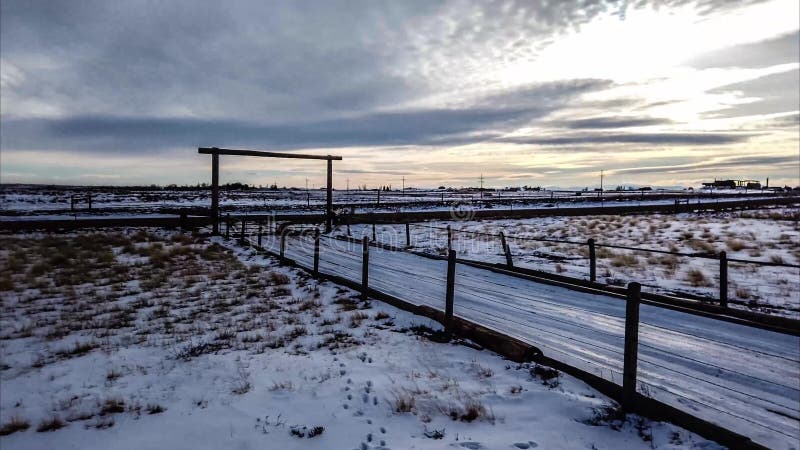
526,93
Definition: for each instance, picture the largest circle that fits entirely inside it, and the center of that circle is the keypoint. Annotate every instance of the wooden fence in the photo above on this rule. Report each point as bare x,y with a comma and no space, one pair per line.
626,394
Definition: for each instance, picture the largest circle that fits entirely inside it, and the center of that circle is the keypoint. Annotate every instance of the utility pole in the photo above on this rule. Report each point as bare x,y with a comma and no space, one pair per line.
481,186
404,187
601,187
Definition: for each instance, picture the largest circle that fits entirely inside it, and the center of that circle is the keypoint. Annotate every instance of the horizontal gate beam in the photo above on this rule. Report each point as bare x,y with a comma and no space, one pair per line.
263,154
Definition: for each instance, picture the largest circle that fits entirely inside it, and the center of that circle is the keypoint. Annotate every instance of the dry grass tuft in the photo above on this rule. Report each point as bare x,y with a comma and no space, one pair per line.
625,260
697,278
52,424
12,426
357,318
403,402
735,244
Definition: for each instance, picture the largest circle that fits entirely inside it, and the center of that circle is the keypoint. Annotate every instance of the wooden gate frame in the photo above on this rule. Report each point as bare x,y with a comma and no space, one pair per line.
215,152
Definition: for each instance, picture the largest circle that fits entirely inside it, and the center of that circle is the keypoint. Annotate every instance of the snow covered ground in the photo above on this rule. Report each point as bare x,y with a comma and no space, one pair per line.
153,339
770,235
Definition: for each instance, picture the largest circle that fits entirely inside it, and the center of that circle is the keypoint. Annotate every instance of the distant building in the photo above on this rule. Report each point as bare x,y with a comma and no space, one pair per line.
733,184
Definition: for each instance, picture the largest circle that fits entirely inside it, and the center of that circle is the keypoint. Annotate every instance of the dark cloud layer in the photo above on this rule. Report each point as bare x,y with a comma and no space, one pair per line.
778,50
613,122
407,127
775,93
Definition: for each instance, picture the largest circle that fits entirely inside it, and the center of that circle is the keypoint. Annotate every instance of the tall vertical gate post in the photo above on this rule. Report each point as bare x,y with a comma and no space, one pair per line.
408,235
215,192
592,262
450,292
329,199
631,354
374,236
506,250
723,279
316,252
365,268
260,231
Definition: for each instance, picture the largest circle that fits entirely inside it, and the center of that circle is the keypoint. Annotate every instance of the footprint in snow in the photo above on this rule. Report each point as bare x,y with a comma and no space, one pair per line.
526,445
472,445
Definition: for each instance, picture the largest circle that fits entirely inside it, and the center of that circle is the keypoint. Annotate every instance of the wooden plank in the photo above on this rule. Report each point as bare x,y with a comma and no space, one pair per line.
215,193
506,250
262,154
450,292
329,199
316,252
723,279
631,354
365,269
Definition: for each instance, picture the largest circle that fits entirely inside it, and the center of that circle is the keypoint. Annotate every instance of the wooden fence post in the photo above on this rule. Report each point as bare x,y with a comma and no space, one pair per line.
451,281
408,235
227,226
316,252
244,226
592,261
259,235
365,268
283,244
723,279
449,239
506,250
374,236
90,201
379,197
631,354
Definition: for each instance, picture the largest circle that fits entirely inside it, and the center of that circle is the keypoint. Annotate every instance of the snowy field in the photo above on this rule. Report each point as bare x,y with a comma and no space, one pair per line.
770,235
56,201
154,339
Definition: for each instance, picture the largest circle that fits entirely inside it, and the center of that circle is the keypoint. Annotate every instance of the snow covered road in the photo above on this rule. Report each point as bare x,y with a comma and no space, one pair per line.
745,379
